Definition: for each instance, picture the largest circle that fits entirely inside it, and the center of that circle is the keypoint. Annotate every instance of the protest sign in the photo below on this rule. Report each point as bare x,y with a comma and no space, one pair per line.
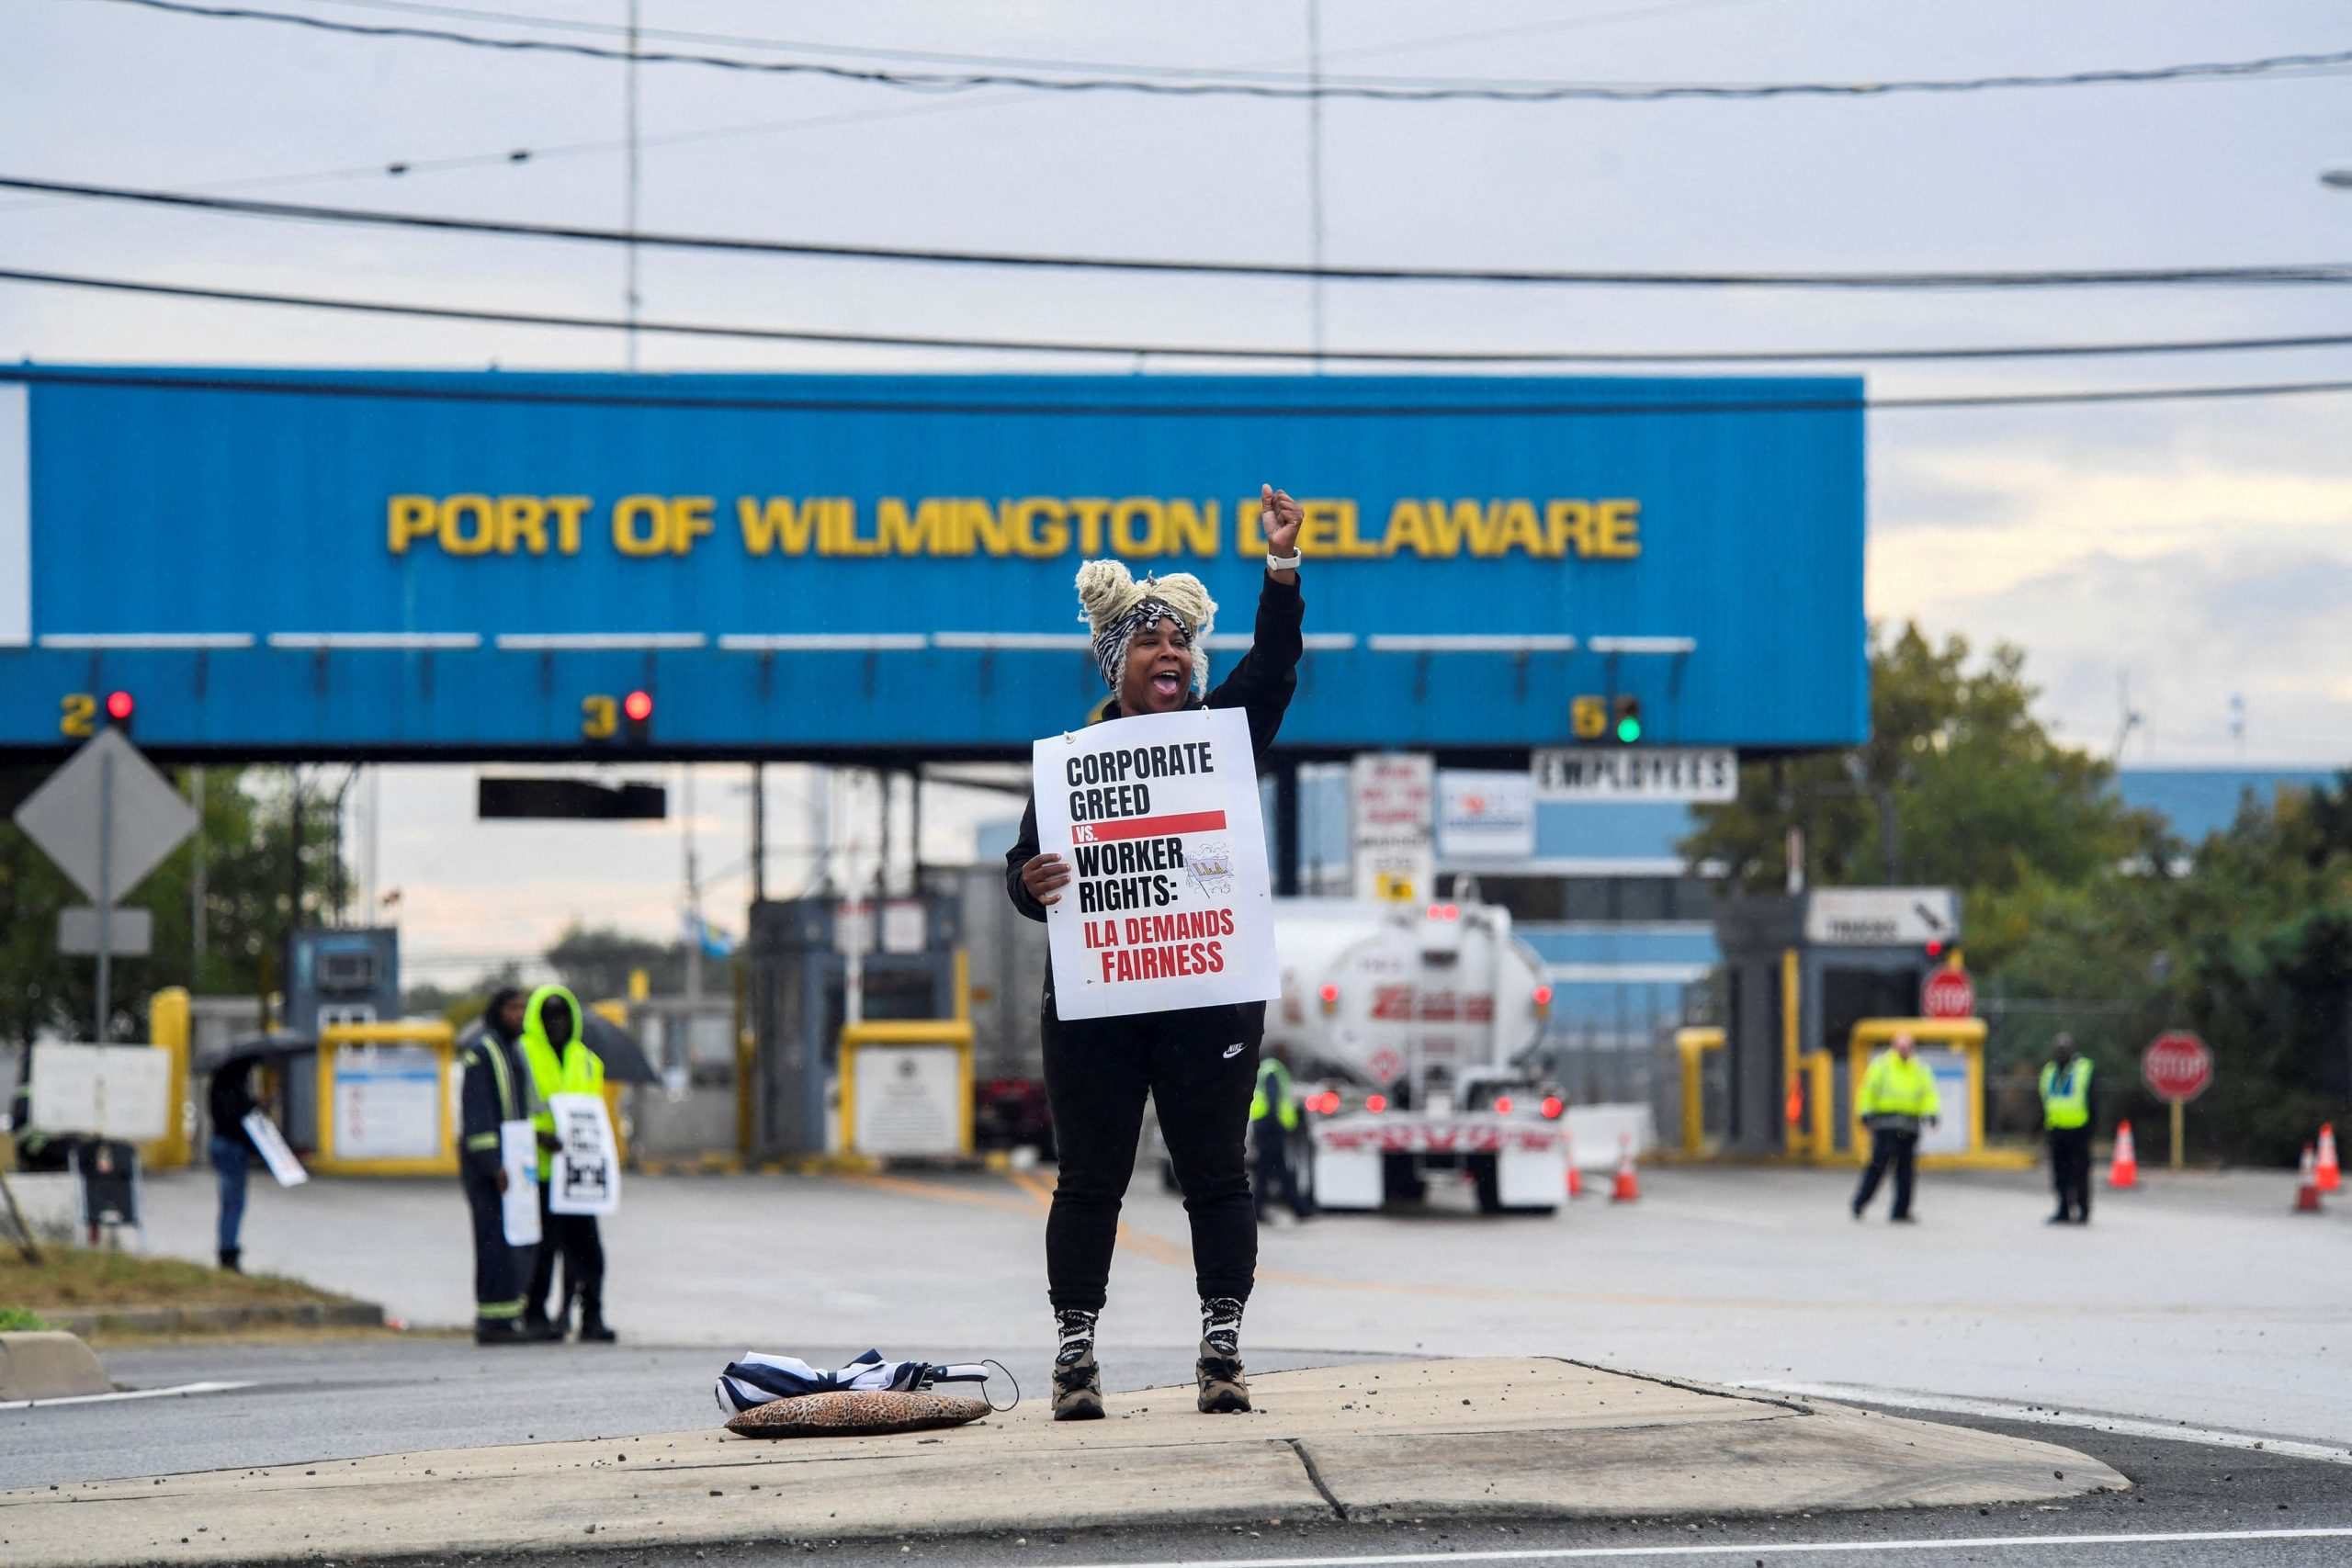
518,1155
1169,903
585,1178
271,1143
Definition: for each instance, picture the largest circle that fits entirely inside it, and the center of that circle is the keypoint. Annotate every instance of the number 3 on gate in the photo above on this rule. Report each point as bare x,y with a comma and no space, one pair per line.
599,717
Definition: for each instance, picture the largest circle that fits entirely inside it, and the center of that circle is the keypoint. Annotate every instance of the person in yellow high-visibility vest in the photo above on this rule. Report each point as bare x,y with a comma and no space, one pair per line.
1899,1097
562,1063
1274,1117
2066,1117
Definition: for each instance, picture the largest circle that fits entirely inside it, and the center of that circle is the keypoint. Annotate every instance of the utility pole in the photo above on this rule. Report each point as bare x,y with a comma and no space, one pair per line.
1315,175
759,833
693,896
629,72
196,895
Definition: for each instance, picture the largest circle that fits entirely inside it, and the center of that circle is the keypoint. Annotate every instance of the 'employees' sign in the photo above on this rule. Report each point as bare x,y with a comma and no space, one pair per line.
1168,904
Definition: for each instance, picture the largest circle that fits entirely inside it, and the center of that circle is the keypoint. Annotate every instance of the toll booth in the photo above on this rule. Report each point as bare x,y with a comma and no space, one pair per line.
1800,973
904,956
386,1095
334,978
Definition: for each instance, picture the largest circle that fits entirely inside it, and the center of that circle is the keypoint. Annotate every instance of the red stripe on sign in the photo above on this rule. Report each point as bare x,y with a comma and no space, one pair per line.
1148,826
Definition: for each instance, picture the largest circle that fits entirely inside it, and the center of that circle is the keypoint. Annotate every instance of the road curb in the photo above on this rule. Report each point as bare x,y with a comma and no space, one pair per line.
1496,1439
37,1364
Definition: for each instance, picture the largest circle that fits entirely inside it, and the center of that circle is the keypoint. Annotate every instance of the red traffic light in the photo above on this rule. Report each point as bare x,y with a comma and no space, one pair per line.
1935,947
121,705
638,706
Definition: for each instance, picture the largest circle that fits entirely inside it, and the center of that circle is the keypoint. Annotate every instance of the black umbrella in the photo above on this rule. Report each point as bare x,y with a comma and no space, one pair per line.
277,1046
625,1060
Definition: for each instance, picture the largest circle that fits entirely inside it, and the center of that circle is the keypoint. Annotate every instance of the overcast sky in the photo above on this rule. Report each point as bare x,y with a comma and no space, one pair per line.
2197,550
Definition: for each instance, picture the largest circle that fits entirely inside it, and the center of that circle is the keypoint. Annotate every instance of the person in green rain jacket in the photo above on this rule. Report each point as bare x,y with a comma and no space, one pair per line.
1899,1097
560,1063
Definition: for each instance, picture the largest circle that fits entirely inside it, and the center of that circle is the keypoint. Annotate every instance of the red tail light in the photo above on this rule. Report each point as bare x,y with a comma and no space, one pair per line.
1552,1107
1328,1102
1502,1104
1543,996
1454,911
1375,1104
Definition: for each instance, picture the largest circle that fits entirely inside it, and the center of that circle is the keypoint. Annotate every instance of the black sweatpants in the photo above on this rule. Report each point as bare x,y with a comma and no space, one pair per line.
575,1238
2070,1170
1889,1147
1199,1067
498,1268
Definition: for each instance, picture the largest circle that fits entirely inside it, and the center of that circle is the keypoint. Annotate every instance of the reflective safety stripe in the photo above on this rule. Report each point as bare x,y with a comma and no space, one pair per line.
496,1310
480,1140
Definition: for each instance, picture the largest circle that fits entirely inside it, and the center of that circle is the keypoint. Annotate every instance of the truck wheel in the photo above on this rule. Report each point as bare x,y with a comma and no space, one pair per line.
1399,1181
1484,1170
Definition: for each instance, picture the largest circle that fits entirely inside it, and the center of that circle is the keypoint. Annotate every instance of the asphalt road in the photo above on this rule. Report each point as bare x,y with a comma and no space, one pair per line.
2193,1506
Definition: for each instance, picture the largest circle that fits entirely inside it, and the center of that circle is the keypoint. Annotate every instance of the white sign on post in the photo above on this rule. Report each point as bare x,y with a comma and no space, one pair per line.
1486,815
1388,815
584,1176
518,1155
108,1092
1170,904
1593,773
273,1151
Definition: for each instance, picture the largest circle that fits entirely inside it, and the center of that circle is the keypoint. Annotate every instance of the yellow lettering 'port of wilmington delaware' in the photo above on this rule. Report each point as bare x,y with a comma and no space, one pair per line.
1036,527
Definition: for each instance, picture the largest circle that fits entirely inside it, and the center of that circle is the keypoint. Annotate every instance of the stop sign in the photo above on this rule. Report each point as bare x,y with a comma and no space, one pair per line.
2176,1067
1948,994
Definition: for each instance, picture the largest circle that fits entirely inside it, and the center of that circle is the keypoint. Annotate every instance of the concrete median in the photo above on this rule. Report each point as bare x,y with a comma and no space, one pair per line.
1499,1437
49,1365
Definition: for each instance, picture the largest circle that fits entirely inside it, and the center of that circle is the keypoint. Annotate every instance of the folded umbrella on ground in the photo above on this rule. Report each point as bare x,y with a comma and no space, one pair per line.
783,1396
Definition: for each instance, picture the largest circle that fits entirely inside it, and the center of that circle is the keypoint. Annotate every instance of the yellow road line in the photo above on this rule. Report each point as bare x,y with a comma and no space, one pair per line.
936,1192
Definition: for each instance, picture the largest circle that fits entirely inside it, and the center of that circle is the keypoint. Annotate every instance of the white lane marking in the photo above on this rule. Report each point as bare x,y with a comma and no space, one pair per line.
1742,1549
1999,1410
123,1394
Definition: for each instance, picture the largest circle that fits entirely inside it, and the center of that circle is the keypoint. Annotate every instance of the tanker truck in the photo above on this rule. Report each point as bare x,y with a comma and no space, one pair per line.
1412,1027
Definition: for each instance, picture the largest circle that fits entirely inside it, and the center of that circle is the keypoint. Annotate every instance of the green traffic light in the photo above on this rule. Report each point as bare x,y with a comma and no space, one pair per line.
1629,729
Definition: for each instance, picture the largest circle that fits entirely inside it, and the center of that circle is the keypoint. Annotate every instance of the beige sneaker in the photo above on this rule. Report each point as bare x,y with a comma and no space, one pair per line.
1224,1389
1077,1390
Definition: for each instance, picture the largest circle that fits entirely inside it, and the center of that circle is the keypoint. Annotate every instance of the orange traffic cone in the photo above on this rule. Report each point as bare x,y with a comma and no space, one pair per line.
2307,1185
1628,1185
1576,1176
2125,1169
2330,1174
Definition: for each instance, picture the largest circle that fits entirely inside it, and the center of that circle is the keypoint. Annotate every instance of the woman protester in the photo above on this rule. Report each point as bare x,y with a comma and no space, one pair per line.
1198,1066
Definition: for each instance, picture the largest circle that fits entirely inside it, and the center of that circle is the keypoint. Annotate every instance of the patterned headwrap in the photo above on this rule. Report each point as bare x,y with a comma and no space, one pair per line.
1111,642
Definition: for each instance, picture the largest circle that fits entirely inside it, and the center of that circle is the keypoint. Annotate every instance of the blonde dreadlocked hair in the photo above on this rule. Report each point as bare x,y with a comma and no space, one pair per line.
1115,606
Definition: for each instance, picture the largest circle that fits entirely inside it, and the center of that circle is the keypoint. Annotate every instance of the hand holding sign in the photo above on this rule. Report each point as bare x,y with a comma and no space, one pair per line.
1043,876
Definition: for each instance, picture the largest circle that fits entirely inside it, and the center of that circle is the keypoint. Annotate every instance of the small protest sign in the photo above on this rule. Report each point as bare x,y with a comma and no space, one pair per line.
1169,903
271,1143
518,1155
585,1178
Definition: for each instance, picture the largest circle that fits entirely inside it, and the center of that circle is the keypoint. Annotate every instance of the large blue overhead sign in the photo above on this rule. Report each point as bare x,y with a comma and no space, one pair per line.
368,563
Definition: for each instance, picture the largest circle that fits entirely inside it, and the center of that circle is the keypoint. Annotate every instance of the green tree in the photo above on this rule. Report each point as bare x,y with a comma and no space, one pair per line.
1984,799
245,838
596,963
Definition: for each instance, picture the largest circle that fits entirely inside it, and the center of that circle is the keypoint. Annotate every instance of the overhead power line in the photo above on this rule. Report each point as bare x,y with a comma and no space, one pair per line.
1230,85
1183,350
358,388
2284,273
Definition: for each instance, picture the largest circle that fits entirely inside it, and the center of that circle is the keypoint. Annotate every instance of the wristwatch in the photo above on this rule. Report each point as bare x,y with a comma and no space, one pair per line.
1283,563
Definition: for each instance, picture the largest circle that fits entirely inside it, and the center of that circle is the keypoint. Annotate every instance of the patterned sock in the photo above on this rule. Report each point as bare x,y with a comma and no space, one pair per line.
1076,1328
1221,1324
